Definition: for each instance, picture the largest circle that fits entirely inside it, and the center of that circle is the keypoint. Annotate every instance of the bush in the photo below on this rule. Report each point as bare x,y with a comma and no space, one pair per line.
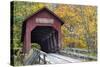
36,45
75,43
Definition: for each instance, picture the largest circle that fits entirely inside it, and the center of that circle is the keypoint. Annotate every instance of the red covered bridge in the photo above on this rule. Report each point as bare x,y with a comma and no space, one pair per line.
44,28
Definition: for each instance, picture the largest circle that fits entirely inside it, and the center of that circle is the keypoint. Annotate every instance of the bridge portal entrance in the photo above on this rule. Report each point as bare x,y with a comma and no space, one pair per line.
44,28
46,37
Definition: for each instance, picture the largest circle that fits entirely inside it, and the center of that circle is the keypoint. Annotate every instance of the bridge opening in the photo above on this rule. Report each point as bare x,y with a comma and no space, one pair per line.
46,37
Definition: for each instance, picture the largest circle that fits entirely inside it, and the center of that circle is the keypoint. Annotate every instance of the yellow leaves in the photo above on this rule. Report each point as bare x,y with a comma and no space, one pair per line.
78,18
70,12
82,19
64,30
65,10
36,7
40,5
81,44
76,42
61,10
92,27
79,30
18,14
66,40
89,11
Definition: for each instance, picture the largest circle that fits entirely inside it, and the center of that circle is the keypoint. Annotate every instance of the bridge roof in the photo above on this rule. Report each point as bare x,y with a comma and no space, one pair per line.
49,11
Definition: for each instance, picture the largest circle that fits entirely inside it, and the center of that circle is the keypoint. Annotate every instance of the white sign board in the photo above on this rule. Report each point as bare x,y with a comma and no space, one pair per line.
44,20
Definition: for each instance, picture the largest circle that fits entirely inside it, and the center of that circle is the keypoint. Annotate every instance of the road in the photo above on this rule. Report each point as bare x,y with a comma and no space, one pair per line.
59,59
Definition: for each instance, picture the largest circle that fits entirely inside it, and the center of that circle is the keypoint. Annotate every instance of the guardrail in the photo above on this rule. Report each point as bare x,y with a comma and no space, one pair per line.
77,50
37,57
78,53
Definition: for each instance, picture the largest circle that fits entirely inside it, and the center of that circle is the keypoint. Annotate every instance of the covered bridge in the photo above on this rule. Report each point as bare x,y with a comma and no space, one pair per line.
44,28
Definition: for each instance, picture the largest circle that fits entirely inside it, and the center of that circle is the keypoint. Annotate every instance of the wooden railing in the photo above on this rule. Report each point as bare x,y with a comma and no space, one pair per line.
42,57
78,53
37,57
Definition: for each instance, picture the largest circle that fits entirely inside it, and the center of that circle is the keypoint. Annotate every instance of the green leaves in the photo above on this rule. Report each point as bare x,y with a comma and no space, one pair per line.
35,45
22,10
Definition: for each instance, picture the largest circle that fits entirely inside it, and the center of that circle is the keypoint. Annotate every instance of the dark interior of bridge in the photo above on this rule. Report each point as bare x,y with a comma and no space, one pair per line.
46,37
